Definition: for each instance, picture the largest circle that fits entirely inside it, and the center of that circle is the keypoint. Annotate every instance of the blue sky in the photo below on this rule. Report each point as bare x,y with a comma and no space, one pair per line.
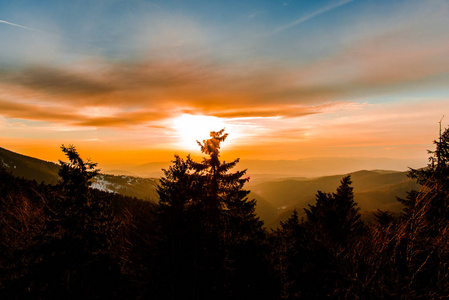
327,78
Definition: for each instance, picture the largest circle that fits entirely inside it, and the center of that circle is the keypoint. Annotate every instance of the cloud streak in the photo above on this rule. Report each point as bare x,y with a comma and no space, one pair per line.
24,27
310,16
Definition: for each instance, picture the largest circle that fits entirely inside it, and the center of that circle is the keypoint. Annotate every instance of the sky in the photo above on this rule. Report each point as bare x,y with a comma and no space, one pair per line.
131,82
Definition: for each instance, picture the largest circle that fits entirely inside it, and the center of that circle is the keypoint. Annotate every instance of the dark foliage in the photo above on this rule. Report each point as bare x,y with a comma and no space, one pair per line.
59,237
211,230
203,239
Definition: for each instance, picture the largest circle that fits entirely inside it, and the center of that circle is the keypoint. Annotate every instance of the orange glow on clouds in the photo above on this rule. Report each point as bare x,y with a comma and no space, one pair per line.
378,91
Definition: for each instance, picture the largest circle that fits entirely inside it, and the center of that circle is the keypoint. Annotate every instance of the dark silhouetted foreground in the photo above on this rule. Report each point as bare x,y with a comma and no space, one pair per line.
203,240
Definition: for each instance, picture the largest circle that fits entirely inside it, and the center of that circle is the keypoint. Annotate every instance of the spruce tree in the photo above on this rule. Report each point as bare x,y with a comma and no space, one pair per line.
181,230
424,232
432,201
336,216
208,204
75,259
224,198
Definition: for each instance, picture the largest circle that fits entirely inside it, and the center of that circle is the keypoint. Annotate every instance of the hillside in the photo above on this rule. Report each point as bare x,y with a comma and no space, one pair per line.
276,198
29,167
372,190
47,172
132,186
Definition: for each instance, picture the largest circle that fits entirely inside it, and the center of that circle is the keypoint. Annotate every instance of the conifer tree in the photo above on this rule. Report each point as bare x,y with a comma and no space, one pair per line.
181,230
75,259
79,215
432,201
224,198
424,231
221,220
336,216
329,232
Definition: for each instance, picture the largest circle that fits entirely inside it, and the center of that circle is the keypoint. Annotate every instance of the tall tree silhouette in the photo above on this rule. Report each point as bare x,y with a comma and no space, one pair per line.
181,231
75,261
424,232
221,223
432,201
336,216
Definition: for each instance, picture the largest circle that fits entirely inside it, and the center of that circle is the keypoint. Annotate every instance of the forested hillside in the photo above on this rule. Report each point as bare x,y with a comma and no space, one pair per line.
204,240
372,189
275,200
47,172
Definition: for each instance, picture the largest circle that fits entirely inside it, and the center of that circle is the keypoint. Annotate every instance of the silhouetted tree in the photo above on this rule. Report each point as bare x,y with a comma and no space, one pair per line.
425,226
75,260
181,230
317,259
409,204
336,216
433,199
214,235
302,261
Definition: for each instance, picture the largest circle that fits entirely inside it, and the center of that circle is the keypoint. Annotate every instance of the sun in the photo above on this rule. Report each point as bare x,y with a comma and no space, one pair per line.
192,128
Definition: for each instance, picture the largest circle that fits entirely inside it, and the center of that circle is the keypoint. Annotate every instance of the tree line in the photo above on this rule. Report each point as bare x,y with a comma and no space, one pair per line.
203,239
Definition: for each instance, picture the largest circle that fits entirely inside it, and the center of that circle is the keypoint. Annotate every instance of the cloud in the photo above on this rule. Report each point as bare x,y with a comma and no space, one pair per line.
253,15
33,112
158,90
387,62
23,27
311,16
151,88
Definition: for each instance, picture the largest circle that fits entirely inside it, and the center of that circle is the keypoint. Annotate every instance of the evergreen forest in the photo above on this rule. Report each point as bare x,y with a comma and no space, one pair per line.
204,240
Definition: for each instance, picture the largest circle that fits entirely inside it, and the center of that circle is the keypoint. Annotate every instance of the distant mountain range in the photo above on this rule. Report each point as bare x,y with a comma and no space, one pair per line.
372,190
306,167
277,194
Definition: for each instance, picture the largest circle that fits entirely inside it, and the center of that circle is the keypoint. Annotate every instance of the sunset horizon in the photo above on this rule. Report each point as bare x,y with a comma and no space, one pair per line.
130,83
225,150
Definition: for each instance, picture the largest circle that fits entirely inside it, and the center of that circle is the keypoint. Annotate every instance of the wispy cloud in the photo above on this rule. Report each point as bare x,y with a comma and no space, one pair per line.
24,27
310,16
64,37
253,15
148,91
154,88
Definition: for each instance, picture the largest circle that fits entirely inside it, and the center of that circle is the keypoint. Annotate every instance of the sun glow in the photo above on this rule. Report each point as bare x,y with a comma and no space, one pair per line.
192,128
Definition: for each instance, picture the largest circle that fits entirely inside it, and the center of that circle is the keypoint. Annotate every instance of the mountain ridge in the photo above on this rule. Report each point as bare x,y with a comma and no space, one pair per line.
276,196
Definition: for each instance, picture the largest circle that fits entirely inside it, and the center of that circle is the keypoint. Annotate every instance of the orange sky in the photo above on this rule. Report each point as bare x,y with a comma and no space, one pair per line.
287,81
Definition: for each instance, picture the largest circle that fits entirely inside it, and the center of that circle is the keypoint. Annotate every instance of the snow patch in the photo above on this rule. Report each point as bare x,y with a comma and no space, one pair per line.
101,184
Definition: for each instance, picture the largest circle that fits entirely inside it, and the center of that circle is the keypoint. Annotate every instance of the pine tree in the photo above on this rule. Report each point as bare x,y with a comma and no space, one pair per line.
181,230
79,215
224,198
209,203
336,216
75,258
432,201
424,231
437,171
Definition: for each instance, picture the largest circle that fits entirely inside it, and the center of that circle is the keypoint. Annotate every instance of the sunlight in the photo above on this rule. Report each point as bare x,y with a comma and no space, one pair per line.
192,128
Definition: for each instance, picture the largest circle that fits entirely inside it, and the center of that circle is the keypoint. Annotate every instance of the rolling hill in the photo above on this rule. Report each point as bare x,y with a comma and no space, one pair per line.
276,198
372,190
47,172
143,188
